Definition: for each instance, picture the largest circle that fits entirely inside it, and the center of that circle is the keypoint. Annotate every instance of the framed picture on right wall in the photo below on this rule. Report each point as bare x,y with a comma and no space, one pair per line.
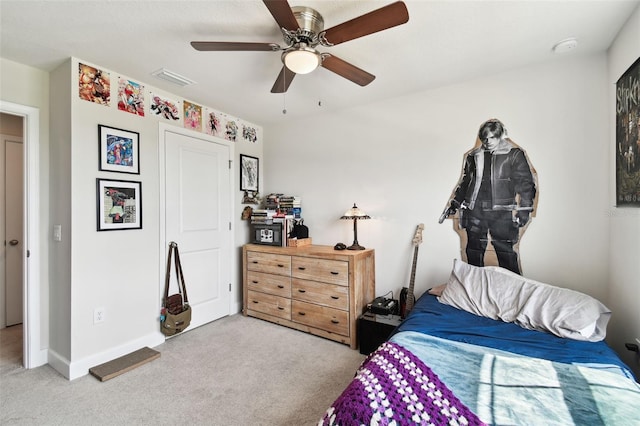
628,137
248,173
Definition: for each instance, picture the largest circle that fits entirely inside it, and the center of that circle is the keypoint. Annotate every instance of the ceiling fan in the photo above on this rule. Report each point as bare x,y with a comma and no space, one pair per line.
303,30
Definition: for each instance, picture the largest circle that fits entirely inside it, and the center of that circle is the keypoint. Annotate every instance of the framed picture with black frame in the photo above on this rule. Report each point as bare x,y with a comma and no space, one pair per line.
628,138
119,150
118,204
249,173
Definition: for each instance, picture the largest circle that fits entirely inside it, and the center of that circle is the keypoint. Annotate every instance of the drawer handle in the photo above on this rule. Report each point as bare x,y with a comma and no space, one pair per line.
281,308
280,286
280,266
255,261
254,281
335,321
302,291
335,297
302,268
255,301
334,273
301,314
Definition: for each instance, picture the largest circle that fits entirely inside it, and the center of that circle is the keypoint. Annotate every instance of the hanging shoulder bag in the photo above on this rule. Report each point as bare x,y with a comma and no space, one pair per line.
175,315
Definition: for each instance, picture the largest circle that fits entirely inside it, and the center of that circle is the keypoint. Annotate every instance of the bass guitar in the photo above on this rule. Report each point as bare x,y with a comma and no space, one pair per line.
407,298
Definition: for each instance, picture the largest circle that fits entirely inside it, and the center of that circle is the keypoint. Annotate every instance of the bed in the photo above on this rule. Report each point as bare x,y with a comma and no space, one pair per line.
447,365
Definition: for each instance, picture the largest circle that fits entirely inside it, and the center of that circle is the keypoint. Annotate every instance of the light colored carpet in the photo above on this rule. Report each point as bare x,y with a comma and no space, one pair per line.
234,371
10,348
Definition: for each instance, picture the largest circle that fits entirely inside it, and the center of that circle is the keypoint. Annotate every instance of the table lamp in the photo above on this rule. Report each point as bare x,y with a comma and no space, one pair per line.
354,213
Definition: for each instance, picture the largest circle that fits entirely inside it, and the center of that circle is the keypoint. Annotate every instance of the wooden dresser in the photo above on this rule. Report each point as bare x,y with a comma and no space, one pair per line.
312,288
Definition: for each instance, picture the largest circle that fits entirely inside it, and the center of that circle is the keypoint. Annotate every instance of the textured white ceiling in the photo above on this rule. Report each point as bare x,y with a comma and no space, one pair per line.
445,41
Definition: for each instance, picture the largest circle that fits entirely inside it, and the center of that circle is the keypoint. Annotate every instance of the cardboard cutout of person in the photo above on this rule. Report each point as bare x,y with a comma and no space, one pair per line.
495,199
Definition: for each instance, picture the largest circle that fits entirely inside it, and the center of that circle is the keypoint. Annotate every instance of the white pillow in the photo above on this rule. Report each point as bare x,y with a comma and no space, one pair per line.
498,293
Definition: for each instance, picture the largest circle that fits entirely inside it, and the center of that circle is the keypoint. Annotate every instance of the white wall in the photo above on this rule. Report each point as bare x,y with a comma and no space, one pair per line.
400,160
624,279
59,186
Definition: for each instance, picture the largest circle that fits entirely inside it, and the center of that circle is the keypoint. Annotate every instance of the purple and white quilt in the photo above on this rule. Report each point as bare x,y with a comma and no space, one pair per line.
394,387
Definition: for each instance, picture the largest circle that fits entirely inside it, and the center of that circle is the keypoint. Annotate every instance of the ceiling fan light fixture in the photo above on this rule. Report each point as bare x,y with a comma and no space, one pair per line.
301,60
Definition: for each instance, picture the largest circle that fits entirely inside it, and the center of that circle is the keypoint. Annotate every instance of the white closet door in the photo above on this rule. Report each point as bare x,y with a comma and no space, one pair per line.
198,218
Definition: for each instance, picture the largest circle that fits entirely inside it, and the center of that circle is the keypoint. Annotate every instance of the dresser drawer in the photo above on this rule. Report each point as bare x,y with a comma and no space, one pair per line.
328,271
278,285
269,304
269,263
313,288
322,317
331,295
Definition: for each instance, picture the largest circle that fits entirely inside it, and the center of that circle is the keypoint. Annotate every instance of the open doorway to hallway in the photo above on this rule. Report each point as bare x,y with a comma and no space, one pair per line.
12,231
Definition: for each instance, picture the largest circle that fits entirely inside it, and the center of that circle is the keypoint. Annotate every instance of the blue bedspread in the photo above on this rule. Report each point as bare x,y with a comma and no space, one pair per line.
437,319
508,375
503,388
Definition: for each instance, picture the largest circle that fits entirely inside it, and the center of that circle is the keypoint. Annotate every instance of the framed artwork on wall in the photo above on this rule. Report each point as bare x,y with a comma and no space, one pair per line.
248,173
119,204
628,137
119,150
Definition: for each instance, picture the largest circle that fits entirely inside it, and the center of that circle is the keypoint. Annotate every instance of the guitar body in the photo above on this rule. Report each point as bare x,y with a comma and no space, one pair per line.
407,297
404,293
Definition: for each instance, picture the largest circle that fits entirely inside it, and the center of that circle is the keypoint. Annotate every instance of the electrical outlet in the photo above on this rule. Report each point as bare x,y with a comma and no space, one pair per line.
98,315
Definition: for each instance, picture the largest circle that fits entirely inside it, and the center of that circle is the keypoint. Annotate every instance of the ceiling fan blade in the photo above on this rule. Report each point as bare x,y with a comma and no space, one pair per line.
282,13
346,70
380,19
283,81
233,46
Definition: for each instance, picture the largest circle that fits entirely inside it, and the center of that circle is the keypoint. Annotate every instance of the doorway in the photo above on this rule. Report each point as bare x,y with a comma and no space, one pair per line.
13,227
196,212
12,231
33,352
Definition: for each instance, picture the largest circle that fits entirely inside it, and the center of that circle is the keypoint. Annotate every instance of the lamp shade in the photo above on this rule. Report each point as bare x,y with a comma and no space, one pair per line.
301,60
355,213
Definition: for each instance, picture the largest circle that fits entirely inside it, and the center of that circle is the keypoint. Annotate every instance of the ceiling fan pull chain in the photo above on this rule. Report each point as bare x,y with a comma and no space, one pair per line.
284,102
284,93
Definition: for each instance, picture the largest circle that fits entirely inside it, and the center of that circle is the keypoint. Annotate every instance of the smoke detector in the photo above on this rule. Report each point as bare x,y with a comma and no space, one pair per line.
565,46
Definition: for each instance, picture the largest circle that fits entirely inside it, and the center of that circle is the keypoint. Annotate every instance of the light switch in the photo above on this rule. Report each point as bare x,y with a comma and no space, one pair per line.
57,232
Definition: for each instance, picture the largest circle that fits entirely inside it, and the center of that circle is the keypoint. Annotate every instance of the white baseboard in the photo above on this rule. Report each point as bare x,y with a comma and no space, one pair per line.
59,363
80,368
39,358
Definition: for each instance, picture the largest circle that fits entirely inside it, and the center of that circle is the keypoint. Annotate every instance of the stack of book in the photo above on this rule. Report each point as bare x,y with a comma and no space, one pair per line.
278,209
291,205
272,201
287,205
262,216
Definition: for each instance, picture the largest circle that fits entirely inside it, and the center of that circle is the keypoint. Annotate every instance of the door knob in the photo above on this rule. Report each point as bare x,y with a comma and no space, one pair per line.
13,242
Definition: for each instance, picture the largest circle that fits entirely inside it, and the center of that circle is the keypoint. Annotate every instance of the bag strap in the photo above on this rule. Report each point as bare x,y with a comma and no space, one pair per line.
167,277
180,275
182,289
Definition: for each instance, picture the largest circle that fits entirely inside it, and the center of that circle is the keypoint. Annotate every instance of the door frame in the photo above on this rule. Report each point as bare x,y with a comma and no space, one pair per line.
162,129
33,354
